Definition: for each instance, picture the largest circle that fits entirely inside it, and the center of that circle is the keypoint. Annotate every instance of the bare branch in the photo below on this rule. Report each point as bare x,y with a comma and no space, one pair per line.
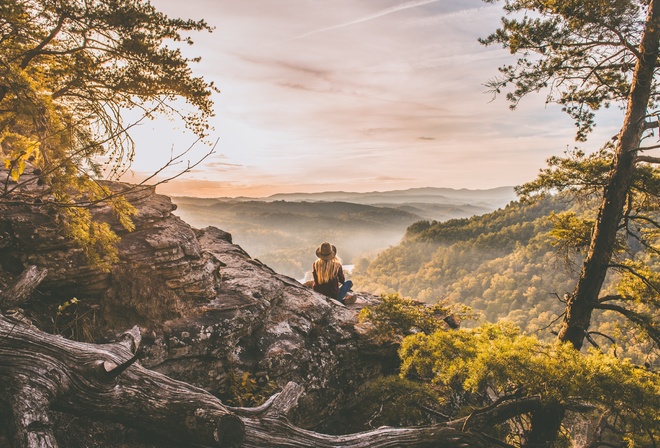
277,406
632,271
433,412
31,54
556,319
610,338
592,341
496,405
642,320
644,218
651,124
609,298
639,239
647,159
588,337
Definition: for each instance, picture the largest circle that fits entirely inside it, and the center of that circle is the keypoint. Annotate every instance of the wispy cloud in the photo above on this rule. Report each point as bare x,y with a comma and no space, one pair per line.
376,15
391,179
378,92
222,165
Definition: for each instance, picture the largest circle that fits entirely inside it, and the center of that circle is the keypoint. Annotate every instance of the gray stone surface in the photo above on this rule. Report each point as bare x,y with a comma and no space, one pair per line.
209,313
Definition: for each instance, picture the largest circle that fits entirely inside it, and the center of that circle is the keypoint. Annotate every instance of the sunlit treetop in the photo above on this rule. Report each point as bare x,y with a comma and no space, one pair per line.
69,69
581,52
81,63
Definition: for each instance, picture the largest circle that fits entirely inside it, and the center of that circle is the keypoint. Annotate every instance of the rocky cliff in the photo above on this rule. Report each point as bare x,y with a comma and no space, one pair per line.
209,313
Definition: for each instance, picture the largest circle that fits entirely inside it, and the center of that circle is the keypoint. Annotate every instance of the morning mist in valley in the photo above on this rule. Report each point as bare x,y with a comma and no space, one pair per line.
283,230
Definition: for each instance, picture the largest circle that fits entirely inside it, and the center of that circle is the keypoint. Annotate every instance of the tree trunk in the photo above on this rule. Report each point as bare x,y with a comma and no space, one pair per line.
545,425
584,299
39,371
585,296
268,426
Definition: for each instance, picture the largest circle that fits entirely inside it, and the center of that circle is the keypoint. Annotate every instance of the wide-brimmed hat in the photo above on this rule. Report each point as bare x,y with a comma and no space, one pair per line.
326,251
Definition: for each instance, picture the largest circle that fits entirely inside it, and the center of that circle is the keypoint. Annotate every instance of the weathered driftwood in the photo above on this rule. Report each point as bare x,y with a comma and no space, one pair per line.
39,372
268,426
279,433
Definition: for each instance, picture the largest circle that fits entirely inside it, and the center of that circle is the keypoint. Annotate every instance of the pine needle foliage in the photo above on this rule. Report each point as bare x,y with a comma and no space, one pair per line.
500,362
69,70
396,316
580,53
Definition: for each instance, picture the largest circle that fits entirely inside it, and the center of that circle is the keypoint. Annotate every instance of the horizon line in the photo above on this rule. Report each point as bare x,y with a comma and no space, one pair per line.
325,192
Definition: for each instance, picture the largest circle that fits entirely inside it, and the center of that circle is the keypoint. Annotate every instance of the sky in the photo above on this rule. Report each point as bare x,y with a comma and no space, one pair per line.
353,95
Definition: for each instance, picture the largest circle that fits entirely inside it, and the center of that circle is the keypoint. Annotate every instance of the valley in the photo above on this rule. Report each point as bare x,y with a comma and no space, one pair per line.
283,230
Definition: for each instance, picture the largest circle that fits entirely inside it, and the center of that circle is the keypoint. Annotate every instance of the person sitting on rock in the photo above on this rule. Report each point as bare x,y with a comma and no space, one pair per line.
328,274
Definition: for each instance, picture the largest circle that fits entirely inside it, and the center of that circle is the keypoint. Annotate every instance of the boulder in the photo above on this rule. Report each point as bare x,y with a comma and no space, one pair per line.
209,314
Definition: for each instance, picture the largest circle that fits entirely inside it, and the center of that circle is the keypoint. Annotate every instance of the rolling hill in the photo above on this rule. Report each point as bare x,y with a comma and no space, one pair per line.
283,230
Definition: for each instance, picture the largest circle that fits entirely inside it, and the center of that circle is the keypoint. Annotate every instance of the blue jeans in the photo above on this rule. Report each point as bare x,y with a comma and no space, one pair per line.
343,290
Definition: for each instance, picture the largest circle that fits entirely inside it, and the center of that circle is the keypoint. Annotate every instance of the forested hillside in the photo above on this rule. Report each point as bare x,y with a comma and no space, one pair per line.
504,264
283,230
284,234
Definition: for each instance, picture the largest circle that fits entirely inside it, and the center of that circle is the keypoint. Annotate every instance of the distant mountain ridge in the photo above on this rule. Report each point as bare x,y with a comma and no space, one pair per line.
283,230
425,195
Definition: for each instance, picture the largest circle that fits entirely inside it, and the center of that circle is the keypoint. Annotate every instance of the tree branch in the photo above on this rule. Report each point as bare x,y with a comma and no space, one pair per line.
611,297
21,289
499,412
592,341
648,159
280,433
31,54
646,219
642,320
651,124
279,405
633,272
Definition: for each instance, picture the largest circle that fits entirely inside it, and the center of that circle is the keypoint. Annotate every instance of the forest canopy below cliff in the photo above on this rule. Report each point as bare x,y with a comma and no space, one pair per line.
506,265
283,230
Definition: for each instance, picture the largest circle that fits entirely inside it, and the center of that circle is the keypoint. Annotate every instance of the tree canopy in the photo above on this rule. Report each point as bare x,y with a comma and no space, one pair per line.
584,55
589,55
69,71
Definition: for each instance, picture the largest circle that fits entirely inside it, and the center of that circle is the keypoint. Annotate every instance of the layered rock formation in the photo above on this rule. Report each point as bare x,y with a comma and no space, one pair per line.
210,314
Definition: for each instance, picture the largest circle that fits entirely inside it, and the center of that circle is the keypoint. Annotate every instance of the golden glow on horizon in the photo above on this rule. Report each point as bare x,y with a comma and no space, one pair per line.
354,95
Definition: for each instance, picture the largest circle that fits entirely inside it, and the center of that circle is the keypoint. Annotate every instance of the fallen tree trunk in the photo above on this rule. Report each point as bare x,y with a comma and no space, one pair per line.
268,426
280,433
40,372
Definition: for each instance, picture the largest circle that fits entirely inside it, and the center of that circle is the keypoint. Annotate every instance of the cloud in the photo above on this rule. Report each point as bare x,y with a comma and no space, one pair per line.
376,15
391,179
397,98
224,165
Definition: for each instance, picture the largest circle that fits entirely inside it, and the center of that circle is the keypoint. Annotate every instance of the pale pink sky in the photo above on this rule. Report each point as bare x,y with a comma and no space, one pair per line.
355,95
